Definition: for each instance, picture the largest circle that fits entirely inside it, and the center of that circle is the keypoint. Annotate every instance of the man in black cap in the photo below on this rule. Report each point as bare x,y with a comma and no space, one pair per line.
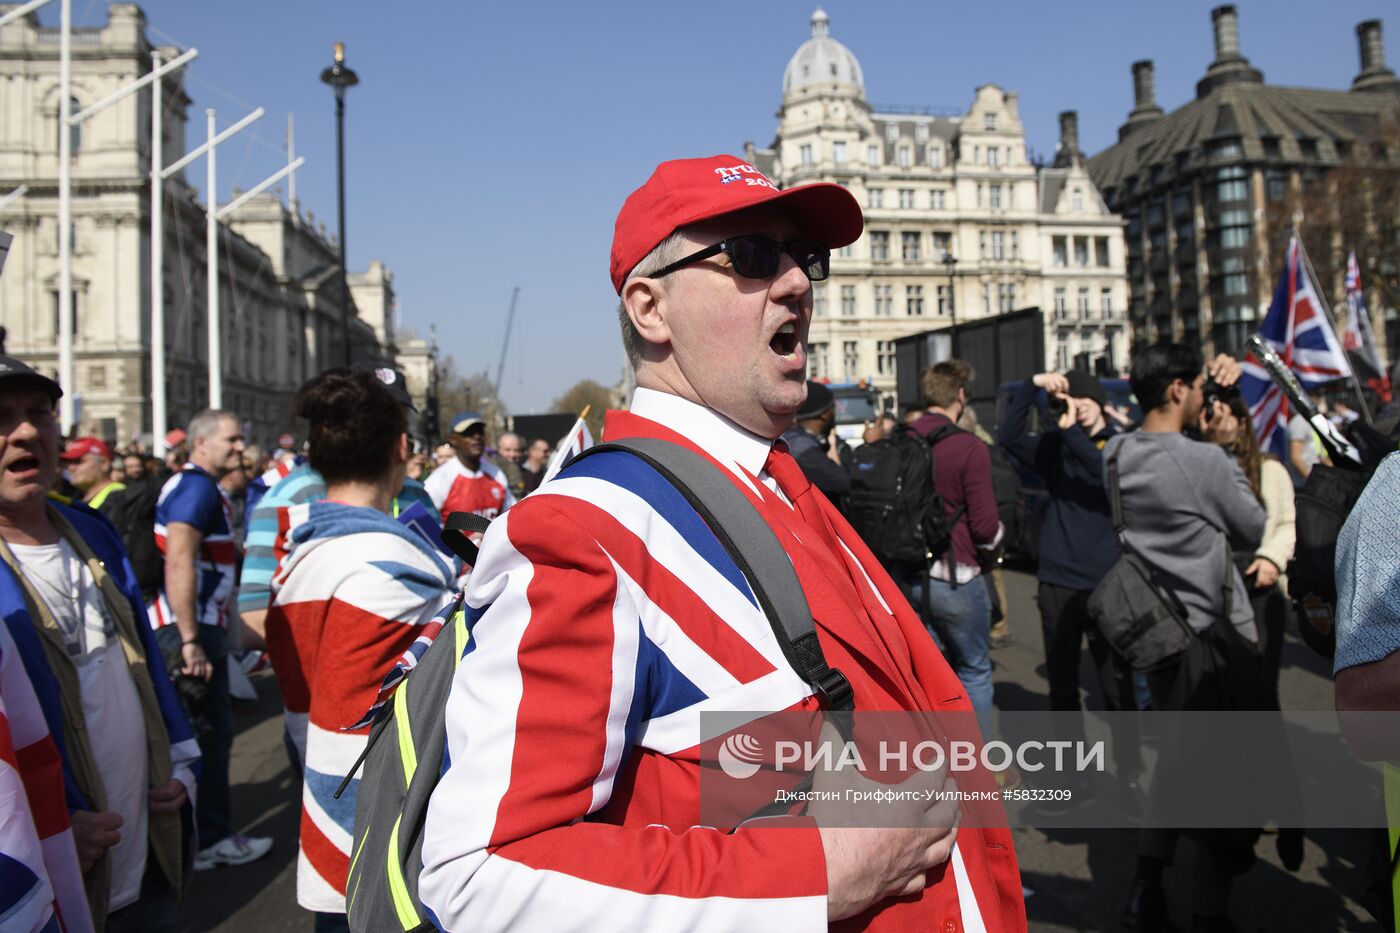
1077,541
815,450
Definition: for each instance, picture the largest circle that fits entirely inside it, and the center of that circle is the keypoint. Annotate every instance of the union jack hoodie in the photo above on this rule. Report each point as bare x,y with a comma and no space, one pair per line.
348,599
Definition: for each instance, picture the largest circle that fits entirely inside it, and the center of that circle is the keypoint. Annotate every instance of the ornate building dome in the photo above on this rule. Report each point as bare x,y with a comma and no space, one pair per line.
821,60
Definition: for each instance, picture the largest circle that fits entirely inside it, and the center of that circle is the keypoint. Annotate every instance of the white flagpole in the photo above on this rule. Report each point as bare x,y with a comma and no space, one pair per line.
558,461
1332,322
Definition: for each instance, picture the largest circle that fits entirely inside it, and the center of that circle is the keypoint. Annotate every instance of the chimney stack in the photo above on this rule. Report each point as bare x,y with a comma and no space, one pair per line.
1067,152
1226,20
1374,75
1145,109
1229,67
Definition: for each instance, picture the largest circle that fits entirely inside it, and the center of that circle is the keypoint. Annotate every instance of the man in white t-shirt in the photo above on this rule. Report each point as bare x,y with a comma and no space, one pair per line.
73,608
467,483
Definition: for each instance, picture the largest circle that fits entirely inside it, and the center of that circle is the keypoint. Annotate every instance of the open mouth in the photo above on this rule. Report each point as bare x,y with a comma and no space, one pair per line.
22,465
785,341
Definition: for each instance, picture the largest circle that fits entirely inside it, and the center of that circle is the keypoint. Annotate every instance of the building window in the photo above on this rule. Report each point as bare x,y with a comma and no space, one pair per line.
1011,196
1232,185
987,299
981,244
998,245
884,357
1106,303
872,155
921,133
884,300
53,311
876,198
943,306
1058,256
1015,245
914,300
1076,199
906,198
891,131
994,197
977,155
1061,308
993,155
806,151
1224,148
1083,304
820,364
1236,284
847,251
1101,251
942,244
97,377
938,199
906,157
848,301
1276,185
1006,297
879,245
838,153
75,133
935,156
1062,361
850,358
818,301
989,121
1081,251
909,245
979,194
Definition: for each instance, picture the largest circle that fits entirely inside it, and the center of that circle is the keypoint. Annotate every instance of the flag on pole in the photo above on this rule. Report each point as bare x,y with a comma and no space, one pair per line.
1299,332
570,446
1358,339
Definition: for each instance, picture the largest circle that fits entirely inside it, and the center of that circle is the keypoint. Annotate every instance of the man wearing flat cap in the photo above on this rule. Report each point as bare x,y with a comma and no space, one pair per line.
814,448
606,618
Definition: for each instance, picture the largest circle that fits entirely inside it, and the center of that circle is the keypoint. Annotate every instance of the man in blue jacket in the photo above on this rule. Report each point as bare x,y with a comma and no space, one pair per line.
71,603
1077,543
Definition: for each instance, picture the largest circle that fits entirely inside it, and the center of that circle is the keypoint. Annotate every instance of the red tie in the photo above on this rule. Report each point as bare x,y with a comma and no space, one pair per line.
794,483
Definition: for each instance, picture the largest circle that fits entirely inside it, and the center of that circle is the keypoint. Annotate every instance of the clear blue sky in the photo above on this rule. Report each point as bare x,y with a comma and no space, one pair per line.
490,144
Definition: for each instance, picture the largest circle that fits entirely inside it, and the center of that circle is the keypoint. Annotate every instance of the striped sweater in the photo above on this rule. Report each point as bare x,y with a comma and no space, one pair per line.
348,600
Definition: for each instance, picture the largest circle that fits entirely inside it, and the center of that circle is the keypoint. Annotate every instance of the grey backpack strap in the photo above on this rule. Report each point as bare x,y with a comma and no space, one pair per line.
752,545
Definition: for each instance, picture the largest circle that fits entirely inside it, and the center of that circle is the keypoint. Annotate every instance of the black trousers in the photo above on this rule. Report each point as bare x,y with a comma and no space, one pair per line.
1064,625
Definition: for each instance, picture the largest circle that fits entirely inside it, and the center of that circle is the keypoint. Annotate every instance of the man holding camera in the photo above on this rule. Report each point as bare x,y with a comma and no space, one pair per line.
1186,503
1077,544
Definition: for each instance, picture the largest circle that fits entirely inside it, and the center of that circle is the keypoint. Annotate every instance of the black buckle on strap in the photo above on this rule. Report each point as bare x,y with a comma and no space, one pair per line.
834,690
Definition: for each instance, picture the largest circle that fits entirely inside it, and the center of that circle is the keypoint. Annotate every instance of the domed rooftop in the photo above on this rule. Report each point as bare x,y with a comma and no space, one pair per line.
821,60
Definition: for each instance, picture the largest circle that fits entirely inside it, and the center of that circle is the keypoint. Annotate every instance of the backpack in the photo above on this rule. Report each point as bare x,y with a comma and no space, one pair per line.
403,757
1010,494
137,525
894,505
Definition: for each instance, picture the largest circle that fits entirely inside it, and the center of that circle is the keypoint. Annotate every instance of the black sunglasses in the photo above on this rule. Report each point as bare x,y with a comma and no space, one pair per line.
758,257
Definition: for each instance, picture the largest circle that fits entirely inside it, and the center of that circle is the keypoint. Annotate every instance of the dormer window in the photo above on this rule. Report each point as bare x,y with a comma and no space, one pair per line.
891,132
921,133
990,121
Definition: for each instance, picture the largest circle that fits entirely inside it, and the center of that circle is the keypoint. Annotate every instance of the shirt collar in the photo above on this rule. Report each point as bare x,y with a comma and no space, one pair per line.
721,438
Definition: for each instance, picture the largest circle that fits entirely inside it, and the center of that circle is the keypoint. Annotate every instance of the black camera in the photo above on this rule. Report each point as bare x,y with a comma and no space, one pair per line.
1056,406
1215,392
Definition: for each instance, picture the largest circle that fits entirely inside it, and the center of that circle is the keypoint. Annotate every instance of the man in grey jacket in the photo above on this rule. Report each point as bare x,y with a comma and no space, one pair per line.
1186,503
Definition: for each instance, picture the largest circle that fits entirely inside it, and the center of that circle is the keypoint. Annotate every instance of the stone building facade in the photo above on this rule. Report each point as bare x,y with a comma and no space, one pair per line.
959,223
1196,186
280,299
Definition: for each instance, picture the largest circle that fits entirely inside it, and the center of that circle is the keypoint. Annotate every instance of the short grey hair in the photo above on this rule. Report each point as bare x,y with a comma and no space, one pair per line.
207,422
662,255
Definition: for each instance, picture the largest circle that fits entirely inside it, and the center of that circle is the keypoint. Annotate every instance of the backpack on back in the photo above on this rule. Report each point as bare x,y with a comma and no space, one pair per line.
893,504
137,525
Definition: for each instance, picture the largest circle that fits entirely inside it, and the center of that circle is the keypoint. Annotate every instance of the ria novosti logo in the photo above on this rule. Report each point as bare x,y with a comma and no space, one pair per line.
740,756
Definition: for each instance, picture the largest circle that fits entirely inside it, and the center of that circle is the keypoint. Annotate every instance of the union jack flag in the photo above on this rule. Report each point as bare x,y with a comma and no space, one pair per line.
574,443
1357,338
407,663
1298,330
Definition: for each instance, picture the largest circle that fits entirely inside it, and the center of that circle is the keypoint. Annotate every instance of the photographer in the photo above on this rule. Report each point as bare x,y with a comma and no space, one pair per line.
1186,504
1077,543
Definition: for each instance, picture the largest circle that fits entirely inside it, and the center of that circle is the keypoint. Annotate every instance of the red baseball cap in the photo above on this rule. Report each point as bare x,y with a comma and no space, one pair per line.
687,191
83,446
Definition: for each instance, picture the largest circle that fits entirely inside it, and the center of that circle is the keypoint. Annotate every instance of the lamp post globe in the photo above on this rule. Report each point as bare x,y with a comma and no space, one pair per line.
340,76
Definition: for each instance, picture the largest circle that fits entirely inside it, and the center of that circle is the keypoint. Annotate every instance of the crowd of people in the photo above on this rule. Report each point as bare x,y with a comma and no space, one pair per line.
605,616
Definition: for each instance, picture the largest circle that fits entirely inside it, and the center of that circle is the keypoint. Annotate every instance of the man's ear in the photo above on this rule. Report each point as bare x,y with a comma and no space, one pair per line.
645,301
405,448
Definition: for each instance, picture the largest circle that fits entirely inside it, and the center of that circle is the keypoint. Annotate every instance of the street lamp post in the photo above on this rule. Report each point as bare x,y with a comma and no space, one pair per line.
339,77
